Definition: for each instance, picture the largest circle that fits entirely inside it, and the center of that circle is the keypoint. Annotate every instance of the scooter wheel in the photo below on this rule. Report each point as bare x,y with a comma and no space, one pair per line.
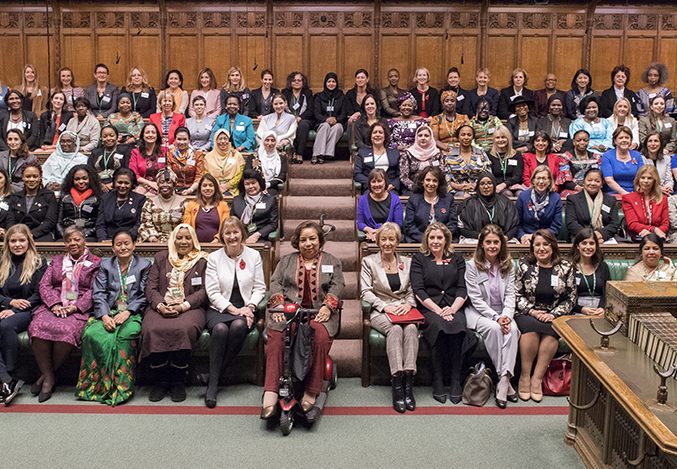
286,422
334,378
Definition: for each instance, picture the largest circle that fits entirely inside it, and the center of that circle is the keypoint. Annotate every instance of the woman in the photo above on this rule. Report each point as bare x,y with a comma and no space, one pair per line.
581,88
580,160
518,87
655,77
427,98
66,85
403,128
127,122
237,86
483,91
161,213
545,288
34,206
657,120
593,208
271,165
540,153
312,278
653,154
15,157
282,123
378,206
120,208
649,267
144,100
57,325
485,126
592,273
209,94
17,118
490,281
355,96
262,98
599,130
539,207
330,113
235,286
484,207
522,124
35,96
175,314
422,154
166,120
386,288
454,84
65,157
148,159
110,339
300,105
556,124
446,125
174,88
108,157
464,163
507,164
646,209
200,125
438,281
85,125
102,95
21,269
5,196
79,203
390,94
621,116
429,203
224,163
620,76
369,115
186,162
53,121
256,209
621,164
240,128
207,211
378,155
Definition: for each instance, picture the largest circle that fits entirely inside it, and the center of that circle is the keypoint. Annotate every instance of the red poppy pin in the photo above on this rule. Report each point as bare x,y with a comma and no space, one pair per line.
243,264
401,265
634,161
443,210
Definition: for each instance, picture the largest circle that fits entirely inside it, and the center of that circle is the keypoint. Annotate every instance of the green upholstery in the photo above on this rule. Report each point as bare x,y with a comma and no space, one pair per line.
272,236
563,234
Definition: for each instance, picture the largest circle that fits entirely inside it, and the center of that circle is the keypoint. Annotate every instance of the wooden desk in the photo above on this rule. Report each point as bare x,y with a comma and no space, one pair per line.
614,391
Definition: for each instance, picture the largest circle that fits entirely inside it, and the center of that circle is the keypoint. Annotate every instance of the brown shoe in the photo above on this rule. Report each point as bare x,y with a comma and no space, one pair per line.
269,412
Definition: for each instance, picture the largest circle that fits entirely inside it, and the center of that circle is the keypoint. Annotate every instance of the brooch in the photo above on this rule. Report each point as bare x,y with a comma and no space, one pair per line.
443,210
242,264
401,266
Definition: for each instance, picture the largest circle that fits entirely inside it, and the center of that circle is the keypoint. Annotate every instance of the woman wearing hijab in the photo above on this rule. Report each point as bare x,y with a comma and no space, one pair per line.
281,123
403,127
66,156
224,163
420,155
256,209
330,113
270,164
485,207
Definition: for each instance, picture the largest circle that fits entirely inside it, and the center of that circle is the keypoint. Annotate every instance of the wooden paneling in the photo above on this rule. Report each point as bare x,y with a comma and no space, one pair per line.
288,58
500,60
139,57
11,60
252,59
395,54
430,54
606,53
668,56
462,53
323,52
567,59
36,54
359,54
180,57
111,49
635,55
77,53
534,52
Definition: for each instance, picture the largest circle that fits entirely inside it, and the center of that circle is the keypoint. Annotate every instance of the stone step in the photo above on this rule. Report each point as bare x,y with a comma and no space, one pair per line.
346,252
345,229
330,170
347,356
319,187
310,208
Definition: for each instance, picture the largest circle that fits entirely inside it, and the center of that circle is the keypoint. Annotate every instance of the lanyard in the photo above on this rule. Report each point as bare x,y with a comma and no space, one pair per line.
504,166
123,278
134,101
107,157
591,291
490,214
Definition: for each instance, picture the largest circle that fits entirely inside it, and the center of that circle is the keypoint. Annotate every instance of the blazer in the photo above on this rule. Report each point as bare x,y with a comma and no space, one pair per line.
638,218
514,169
473,98
526,280
107,285
514,127
479,304
17,169
50,285
375,289
137,162
428,281
193,206
541,101
246,103
551,218
42,216
360,132
221,271
83,216
364,164
418,213
145,102
243,134
13,289
111,218
88,130
545,124
259,106
48,127
36,103
305,98
265,214
432,101
577,215
158,282
608,99
365,218
668,132
178,120
506,97
32,129
107,104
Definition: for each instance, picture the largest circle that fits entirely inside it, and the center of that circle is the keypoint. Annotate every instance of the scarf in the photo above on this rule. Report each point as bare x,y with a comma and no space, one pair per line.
271,163
250,202
79,197
178,97
70,155
331,94
70,270
175,292
223,165
489,201
538,203
595,209
421,153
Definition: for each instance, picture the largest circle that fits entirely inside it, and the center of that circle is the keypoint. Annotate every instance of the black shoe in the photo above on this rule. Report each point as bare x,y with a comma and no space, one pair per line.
320,159
210,398
398,393
409,400
9,391
455,392
45,396
36,387
314,160
501,404
158,392
513,397
313,414
177,391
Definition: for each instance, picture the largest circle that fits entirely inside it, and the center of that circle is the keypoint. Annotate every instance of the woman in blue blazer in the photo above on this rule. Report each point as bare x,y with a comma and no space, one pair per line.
378,205
539,207
430,190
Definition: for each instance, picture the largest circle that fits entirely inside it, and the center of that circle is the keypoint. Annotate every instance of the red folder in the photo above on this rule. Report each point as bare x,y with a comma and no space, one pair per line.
413,316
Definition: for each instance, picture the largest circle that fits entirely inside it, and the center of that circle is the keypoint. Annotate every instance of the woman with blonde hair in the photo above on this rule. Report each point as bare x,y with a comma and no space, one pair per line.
236,85
427,97
507,164
518,87
144,100
622,116
35,96
646,208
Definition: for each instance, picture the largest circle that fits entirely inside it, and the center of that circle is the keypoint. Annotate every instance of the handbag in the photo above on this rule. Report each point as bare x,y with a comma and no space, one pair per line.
301,357
478,386
557,378
413,316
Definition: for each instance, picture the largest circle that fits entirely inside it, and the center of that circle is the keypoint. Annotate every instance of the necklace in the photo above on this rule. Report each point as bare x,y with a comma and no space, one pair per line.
389,266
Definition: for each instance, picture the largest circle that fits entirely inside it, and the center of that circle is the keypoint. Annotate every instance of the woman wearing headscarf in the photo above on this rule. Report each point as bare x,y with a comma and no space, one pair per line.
421,154
269,162
403,128
446,124
66,156
163,212
330,113
224,163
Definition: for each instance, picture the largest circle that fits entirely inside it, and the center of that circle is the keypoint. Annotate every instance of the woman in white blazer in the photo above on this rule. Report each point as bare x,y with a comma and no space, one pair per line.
235,286
490,282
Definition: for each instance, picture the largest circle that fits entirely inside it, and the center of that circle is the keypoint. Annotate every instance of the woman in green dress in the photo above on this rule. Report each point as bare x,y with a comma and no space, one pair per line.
110,340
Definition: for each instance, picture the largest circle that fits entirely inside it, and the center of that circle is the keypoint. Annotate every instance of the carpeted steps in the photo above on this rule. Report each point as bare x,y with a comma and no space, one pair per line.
320,187
301,207
330,170
345,229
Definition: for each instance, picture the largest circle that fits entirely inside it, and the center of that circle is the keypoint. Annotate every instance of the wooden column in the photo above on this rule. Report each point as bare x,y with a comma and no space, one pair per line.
164,40
587,39
484,9
377,44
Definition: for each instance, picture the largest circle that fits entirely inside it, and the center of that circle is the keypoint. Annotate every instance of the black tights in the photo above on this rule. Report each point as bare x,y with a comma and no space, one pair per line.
224,344
447,362
170,367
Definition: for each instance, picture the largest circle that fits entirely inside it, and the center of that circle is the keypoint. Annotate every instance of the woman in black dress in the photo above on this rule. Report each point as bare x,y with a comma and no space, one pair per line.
121,207
592,273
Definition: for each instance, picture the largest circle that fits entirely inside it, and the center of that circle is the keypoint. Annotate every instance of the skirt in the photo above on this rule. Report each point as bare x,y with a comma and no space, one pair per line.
108,361
435,324
47,326
214,318
528,324
160,334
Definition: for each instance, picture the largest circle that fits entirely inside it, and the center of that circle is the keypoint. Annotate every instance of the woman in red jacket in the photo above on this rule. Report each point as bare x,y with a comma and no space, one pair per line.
646,209
167,121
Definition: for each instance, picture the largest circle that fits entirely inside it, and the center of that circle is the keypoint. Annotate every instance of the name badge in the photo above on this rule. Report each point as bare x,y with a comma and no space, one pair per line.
667,125
190,163
245,96
87,263
512,98
578,280
117,156
261,206
145,95
411,125
368,159
652,95
87,208
512,162
296,106
491,131
239,128
330,108
327,269
62,127
162,159
660,275
195,281
105,99
39,93
4,206
554,280
563,135
71,296
460,97
131,279
606,208
523,132
435,163
531,133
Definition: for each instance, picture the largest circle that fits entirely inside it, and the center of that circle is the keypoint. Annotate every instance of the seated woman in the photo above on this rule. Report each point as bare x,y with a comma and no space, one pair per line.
620,76
438,281
556,124
186,162
377,155
256,208
454,84
427,98
120,208
224,163
148,159
581,87
209,95
85,125
108,157
355,96
483,92
144,100
236,86
238,126
163,212
485,126
445,126
15,157
361,128
35,96
207,211
539,207
200,125
378,206
262,97
649,267
111,337
621,164
545,287
166,120
422,154
579,161
657,120
280,122
429,203
540,154
331,110
386,288
490,281
390,94
592,273
403,128
464,163
54,121
517,88
5,196
271,165
314,278
173,87
599,130
79,202
235,286
621,116
66,292
655,76
34,206
15,117
646,208
66,85
66,156
127,122
653,154
522,124
507,164
102,93
21,269
593,208
175,314
299,104
484,207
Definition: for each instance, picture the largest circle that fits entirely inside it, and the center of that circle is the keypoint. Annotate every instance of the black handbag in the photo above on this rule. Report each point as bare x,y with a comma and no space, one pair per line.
302,359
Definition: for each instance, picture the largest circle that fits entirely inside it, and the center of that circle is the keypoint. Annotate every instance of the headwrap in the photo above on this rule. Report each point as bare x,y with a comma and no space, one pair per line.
124,95
446,93
175,293
62,154
336,91
271,163
424,153
489,201
406,96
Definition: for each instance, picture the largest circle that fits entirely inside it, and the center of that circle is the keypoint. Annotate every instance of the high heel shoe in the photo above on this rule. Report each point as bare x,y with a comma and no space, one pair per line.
398,393
524,390
46,395
537,391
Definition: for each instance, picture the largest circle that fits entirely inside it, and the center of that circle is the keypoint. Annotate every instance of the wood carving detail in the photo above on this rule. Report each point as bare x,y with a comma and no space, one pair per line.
669,22
536,20
10,20
358,20
74,19
288,19
323,20
395,20
642,22
251,20
429,20
570,21
216,20
465,20
182,20
145,20
608,22
503,20
110,20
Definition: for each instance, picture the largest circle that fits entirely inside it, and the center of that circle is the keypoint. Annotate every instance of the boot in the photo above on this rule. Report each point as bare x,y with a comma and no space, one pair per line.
439,391
409,400
398,393
160,386
177,385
